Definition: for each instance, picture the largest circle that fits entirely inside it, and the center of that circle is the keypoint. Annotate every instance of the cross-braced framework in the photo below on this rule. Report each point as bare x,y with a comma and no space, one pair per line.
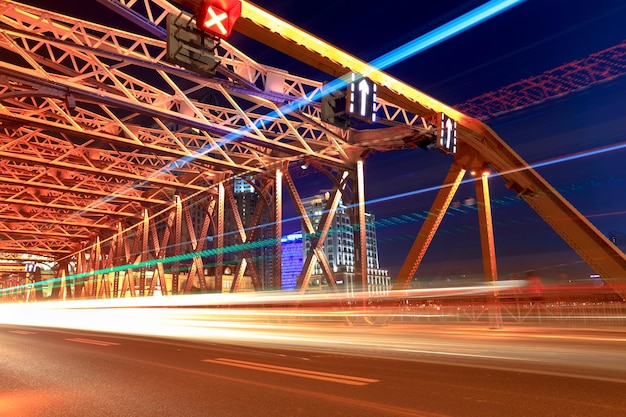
599,67
108,151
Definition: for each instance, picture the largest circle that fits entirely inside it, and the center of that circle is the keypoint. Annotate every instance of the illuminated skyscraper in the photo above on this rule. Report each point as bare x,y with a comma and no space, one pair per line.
247,199
339,248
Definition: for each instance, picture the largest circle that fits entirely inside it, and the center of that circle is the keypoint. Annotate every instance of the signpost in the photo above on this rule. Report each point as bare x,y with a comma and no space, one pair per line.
346,107
446,133
362,93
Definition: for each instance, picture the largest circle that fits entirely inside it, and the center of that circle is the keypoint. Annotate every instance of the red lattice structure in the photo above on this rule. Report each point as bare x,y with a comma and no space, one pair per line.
115,163
602,66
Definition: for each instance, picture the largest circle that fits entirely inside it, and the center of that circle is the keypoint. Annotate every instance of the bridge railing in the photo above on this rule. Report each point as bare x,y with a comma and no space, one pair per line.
572,304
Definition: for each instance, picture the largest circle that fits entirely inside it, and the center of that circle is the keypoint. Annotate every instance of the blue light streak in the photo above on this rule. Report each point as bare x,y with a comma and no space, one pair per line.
444,32
420,44
554,161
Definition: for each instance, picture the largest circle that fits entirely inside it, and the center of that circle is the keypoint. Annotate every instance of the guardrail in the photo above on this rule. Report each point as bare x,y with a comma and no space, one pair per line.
559,304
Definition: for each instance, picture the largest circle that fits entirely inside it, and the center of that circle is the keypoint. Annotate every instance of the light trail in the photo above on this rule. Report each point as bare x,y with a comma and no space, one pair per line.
445,32
263,320
456,26
271,242
549,162
420,44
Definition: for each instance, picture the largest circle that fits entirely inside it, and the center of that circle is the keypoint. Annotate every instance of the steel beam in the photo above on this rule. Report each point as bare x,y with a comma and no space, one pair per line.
487,243
429,227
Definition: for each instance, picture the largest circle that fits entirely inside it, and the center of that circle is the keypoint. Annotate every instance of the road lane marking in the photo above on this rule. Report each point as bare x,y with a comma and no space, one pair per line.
303,373
92,342
21,332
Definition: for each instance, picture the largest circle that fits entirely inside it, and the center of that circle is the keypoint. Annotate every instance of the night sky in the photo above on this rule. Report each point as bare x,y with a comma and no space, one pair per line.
525,41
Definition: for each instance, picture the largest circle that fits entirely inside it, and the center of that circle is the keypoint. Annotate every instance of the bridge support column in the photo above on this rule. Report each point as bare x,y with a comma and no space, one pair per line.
360,241
277,279
487,244
219,236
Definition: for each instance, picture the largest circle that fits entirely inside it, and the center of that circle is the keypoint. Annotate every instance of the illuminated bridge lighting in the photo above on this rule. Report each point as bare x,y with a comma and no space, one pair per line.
436,36
410,49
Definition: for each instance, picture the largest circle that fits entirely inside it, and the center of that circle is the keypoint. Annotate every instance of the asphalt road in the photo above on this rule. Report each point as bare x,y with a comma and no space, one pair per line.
59,372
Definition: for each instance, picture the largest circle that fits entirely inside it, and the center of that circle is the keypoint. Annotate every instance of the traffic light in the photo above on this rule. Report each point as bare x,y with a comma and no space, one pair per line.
217,17
189,47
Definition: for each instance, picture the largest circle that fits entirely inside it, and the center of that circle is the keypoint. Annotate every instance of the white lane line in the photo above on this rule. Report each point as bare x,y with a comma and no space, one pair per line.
303,373
21,332
92,342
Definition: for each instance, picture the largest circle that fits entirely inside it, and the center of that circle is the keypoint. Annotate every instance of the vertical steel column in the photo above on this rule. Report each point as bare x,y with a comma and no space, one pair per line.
487,244
360,243
96,264
162,249
157,277
486,228
89,259
429,227
177,243
130,283
193,243
80,279
277,279
117,261
208,219
143,256
64,290
219,241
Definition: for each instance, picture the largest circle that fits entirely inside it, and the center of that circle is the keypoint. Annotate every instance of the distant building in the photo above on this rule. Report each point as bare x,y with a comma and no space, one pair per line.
292,260
247,199
339,248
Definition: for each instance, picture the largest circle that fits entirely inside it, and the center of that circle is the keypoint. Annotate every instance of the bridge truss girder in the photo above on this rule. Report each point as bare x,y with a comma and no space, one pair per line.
94,113
96,129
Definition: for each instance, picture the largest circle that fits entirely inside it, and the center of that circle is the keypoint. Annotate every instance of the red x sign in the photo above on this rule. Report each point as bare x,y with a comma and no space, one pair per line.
218,17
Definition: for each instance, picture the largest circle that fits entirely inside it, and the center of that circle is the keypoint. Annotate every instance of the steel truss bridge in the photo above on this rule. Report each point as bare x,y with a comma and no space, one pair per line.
107,151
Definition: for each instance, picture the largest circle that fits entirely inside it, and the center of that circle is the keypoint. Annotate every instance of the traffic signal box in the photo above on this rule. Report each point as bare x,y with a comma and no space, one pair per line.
217,17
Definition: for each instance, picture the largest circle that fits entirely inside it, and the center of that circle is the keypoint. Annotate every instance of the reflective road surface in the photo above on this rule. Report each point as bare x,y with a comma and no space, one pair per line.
155,361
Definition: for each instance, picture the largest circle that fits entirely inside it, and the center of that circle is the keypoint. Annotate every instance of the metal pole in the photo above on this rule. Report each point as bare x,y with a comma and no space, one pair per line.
488,246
